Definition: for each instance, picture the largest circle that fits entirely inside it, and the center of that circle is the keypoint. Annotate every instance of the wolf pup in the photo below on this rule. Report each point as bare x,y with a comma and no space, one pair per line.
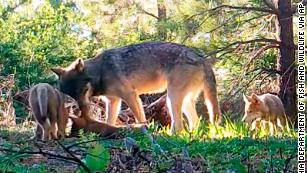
151,67
266,107
49,111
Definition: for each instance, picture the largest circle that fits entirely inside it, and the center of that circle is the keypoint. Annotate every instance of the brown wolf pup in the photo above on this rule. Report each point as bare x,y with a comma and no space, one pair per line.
264,109
49,111
151,67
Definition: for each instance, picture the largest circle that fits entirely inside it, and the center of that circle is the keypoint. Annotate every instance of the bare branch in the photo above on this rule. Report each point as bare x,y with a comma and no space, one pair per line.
226,21
270,4
263,40
242,87
260,51
258,9
194,29
266,70
150,14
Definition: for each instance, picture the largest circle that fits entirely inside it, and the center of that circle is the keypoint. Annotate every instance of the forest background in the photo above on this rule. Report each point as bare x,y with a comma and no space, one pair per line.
252,42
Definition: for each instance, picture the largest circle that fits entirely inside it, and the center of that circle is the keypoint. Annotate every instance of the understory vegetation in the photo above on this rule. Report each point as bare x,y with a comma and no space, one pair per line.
228,148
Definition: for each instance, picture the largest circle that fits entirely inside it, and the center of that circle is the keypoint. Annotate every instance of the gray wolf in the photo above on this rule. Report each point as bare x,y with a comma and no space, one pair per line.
264,109
151,67
49,111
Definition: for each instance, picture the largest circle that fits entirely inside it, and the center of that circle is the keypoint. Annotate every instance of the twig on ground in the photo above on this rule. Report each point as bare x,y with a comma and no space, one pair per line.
47,154
76,159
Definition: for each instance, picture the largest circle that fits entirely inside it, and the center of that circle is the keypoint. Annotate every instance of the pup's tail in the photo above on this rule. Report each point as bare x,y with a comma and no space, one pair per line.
210,95
42,94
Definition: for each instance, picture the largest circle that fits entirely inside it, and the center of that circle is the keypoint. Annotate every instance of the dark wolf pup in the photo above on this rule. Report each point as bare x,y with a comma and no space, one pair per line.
49,111
151,67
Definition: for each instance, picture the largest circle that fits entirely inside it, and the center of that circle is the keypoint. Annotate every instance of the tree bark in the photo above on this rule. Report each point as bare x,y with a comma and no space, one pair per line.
286,58
161,18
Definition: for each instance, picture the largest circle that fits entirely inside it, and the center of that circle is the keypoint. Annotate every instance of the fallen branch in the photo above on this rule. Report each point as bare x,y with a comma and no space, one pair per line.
76,159
41,152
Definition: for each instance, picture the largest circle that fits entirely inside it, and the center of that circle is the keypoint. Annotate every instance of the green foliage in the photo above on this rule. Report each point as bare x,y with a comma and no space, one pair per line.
97,159
13,161
35,40
229,147
55,32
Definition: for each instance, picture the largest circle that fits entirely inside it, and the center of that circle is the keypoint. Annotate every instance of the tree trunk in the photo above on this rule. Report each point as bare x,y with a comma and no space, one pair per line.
286,58
161,18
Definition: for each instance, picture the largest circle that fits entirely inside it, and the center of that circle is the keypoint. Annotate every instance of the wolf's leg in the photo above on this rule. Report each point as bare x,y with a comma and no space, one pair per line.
62,120
210,95
135,104
38,132
280,123
46,127
271,126
255,127
53,131
188,108
112,109
46,132
174,104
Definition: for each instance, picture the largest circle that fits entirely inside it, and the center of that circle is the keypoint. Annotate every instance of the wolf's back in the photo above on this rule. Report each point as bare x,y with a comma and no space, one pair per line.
149,55
274,104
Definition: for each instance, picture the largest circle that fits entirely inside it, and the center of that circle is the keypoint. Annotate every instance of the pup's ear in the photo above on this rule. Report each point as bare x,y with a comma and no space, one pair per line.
58,71
255,99
79,64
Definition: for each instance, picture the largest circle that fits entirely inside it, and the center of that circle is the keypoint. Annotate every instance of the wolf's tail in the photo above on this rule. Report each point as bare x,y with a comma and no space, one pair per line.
42,94
210,95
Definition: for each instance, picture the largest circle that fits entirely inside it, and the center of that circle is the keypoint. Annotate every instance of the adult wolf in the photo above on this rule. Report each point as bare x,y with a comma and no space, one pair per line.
49,111
151,67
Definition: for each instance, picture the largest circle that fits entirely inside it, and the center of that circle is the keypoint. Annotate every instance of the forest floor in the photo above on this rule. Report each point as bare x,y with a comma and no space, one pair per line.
228,148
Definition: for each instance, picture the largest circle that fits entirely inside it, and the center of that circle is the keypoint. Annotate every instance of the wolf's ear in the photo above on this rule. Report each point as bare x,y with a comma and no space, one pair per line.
79,66
255,99
59,71
246,98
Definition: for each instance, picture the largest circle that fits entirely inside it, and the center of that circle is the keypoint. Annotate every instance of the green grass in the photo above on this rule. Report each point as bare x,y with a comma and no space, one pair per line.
231,147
